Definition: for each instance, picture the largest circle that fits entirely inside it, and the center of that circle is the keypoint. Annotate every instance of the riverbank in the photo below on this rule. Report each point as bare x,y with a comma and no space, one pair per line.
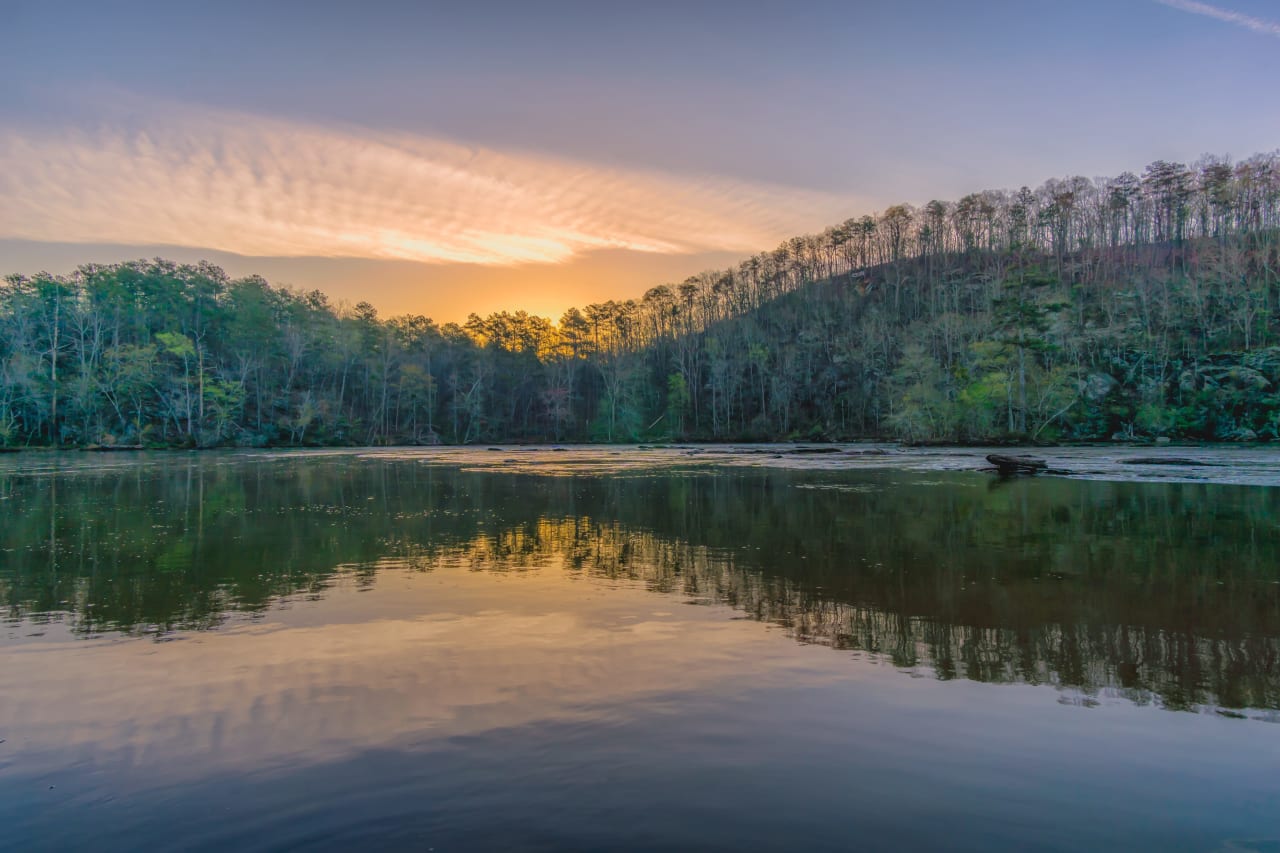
806,447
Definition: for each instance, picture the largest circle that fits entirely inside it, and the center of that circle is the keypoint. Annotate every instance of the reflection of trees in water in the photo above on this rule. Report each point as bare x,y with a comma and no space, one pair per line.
1145,663
1164,593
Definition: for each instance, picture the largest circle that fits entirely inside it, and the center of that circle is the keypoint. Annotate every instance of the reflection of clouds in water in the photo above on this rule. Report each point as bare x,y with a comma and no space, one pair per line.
358,671
1033,581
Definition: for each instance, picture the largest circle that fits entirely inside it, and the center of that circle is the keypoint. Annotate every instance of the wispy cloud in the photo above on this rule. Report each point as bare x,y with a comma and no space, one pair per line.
1249,22
266,187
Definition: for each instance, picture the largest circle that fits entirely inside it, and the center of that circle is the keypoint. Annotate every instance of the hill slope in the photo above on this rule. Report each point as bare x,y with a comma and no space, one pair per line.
1133,306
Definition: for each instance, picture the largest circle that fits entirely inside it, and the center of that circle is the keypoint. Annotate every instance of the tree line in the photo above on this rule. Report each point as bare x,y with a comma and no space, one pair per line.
1132,307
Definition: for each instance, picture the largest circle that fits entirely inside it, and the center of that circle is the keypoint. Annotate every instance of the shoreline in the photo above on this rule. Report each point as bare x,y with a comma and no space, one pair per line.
802,447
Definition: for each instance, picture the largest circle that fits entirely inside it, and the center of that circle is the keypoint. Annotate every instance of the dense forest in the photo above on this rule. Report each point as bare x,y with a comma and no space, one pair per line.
1130,307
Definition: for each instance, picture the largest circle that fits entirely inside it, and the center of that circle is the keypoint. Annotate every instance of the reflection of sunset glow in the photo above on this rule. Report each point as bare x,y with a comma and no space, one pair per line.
270,188
407,660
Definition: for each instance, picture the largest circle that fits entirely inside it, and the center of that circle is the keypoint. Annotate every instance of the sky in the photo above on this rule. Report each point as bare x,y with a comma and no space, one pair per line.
444,158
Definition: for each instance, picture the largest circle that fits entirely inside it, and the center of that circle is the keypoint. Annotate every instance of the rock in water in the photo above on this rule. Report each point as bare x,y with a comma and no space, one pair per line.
1011,465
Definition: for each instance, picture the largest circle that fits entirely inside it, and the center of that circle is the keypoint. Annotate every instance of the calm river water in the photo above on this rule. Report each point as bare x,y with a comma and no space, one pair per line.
626,649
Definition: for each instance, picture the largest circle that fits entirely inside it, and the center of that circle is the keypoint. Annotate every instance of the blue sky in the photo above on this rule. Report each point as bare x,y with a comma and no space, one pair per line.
451,157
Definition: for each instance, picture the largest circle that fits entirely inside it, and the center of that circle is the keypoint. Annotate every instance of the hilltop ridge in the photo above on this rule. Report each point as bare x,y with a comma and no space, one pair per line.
1136,306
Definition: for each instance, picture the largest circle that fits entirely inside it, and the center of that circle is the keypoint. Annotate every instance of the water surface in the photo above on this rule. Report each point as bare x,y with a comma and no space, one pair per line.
607,648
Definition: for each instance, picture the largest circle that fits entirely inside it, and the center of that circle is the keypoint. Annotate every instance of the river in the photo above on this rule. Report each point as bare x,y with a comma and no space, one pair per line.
608,648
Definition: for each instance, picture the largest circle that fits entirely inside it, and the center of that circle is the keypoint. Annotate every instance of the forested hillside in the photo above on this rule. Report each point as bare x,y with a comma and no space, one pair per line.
1135,306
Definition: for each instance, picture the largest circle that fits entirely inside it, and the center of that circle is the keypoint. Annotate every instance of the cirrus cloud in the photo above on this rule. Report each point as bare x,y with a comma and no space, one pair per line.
266,187
1227,16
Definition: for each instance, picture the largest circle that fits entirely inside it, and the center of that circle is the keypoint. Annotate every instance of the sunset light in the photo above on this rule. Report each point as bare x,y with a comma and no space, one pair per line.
252,186
561,425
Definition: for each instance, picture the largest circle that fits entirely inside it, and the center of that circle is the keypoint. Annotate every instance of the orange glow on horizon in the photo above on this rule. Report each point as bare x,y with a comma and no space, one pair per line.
260,187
